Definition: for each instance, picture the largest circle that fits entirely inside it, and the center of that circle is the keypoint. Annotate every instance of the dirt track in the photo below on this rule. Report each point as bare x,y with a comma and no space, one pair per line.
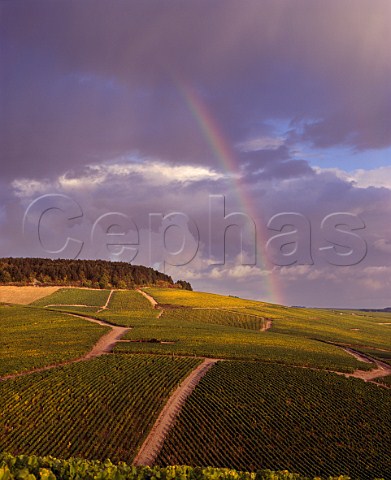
382,370
104,345
151,447
105,306
267,325
152,301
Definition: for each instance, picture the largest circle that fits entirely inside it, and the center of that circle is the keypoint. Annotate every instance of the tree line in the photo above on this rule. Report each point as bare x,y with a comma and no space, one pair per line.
82,273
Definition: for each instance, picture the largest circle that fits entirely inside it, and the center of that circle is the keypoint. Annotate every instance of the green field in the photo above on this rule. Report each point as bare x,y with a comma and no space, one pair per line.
220,341
385,380
359,329
75,296
32,338
342,327
186,298
252,416
231,318
78,310
128,301
98,409
126,308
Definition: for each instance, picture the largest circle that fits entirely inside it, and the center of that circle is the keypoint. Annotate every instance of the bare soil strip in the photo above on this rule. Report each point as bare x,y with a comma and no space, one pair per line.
104,345
105,306
382,369
151,447
151,300
267,325
24,295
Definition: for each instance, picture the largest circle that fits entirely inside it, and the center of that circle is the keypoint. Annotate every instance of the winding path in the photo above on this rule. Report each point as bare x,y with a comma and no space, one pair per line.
382,369
150,449
152,301
104,345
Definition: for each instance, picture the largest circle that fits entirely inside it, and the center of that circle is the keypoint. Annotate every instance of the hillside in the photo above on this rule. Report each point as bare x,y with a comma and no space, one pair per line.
81,273
164,376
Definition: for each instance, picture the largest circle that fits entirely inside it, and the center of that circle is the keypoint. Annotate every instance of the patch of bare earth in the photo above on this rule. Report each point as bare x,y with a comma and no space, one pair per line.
382,369
267,324
152,445
24,295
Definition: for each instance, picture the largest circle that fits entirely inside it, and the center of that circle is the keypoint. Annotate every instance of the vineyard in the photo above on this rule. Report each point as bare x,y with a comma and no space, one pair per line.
356,328
30,338
343,327
198,299
49,468
126,308
98,409
75,296
253,410
277,417
229,318
128,301
180,332
386,380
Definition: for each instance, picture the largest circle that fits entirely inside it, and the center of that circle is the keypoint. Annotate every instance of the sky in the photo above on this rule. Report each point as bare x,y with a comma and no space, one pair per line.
243,146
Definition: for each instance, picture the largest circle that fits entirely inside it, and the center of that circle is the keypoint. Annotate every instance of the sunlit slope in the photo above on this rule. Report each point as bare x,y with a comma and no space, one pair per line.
209,325
98,409
178,337
128,301
250,415
198,299
127,307
32,338
222,331
74,297
359,329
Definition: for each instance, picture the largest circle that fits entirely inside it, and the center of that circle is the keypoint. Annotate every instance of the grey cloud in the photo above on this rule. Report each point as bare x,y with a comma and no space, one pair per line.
90,80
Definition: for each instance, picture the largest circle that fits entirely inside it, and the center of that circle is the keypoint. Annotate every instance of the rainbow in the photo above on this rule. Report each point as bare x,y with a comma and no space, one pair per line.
224,152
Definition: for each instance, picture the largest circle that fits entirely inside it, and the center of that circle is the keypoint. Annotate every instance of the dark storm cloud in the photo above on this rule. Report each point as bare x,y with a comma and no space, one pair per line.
87,81
88,87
